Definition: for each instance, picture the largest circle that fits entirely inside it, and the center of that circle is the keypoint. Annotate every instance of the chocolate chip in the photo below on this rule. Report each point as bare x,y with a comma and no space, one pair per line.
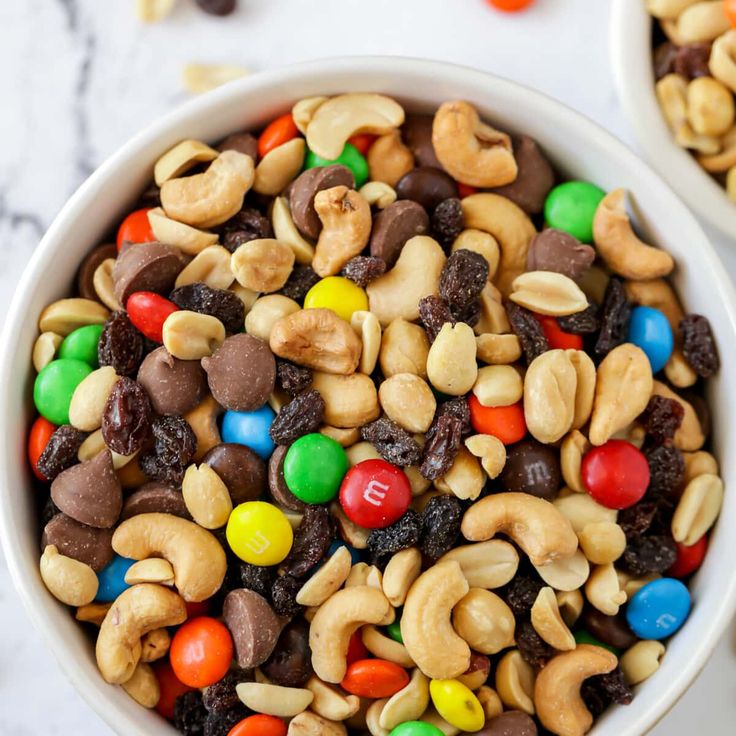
254,626
217,7
241,373
146,267
509,723
393,226
90,492
611,630
417,134
242,471
86,272
245,143
290,663
533,468
155,497
277,485
426,185
556,250
174,386
304,189
80,542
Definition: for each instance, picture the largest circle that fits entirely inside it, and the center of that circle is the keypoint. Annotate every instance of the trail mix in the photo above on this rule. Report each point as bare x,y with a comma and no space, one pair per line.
695,69
338,439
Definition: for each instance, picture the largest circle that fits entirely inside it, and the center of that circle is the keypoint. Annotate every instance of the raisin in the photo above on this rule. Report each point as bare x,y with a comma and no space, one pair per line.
221,695
393,442
249,224
448,221
120,345
220,303
637,519
283,596
580,323
48,511
532,647
691,60
223,722
174,445
256,578
470,314
61,451
302,415
698,345
292,378
601,690
661,418
457,407
217,7
664,59
440,526
442,447
529,331
463,277
402,534
312,539
614,315
290,662
126,419
363,269
190,713
300,281
434,312
649,554
666,471
521,593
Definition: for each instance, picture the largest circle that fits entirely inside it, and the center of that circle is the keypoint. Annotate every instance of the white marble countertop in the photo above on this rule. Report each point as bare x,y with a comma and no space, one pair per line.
81,76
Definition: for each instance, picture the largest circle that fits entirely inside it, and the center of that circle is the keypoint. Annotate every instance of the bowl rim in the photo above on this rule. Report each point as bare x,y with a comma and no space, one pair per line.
633,76
93,689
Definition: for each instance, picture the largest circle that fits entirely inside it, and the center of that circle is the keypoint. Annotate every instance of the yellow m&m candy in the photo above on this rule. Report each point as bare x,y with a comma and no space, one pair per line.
259,533
339,294
457,704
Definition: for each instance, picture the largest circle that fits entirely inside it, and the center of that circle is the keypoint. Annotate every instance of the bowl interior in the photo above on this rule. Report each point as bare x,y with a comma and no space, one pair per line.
576,146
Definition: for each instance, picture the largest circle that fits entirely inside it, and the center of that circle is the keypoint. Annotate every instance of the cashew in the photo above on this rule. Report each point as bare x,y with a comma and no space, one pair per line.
603,591
187,239
66,315
541,531
557,689
493,316
408,704
378,194
498,385
68,580
690,435
199,78
389,159
572,449
196,556
151,570
722,61
710,106
286,231
279,167
341,117
336,621
641,661
490,450
143,686
44,349
547,292
179,159
266,312
206,496
326,581
602,542
570,603
425,624
383,647
566,574
209,199
464,479
415,275
471,151
623,388
303,111
498,349
154,645
104,285
697,509
485,621
350,401
489,564
191,335
483,244
329,702
547,621
404,349
274,700
399,575
135,612
451,366
368,328
700,21
515,682
203,421
89,398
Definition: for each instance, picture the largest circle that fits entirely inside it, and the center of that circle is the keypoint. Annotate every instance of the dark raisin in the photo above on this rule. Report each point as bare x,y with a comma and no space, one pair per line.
649,554
699,345
61,451
48,511
302,415
470,315
457,407
434,312
529,331
440,526
614,315
448,221
220,303
249,224
292,378
300,281
174,445
442,447
223,722
664,59
666,471
521,593
217,7
190,713
126,419
311,541
290,662
636,519
580,323
593,696
661,418
256,578
364,269
283,596
601,690
120,345
691,60
402,534
463,277
221,695
393,442
532,647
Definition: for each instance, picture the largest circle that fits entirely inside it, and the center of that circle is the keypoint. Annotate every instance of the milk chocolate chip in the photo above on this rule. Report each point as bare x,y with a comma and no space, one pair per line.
417,134
532,467
241,373
611,630
245,143
304,189
290,663
254,626
277,485
393,226
427,186
556,250
241,470
80,542
174,386
86,273
146,267
90,492
510,723
155,497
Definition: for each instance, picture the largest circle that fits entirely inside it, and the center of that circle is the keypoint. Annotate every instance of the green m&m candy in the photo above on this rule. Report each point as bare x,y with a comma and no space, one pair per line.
314,467
54,386
394,631
585,637
416,728
571,207
350,157
82,344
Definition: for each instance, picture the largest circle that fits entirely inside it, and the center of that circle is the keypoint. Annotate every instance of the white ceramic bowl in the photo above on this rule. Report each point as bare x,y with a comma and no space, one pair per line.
631,59
577,147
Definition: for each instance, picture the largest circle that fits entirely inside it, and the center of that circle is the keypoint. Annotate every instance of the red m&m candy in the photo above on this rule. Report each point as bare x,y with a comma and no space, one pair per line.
615,474
556,336
689,559
135,228
374,494
148,312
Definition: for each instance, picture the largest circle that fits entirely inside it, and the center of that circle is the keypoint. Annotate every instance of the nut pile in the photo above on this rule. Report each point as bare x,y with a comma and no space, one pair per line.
695,69
337,440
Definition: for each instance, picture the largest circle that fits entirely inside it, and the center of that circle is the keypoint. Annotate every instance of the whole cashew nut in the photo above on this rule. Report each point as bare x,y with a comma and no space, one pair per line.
197,557
541,531
135,612
557,689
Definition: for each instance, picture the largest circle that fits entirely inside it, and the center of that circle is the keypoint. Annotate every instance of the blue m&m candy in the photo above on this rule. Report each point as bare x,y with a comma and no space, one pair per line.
659,609
650,330
250,428
112,579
